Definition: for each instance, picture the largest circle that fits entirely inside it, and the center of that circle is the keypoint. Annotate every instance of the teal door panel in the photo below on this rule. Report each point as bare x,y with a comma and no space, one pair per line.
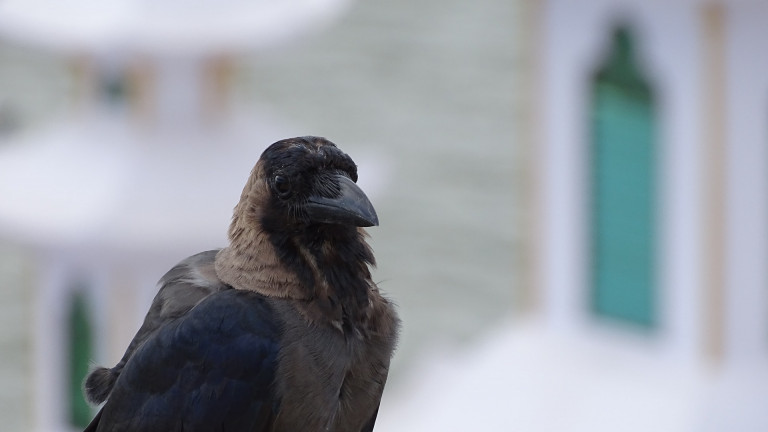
623,191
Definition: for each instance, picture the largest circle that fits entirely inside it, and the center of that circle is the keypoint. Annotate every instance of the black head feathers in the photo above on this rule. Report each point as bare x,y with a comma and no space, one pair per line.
306,155
311,181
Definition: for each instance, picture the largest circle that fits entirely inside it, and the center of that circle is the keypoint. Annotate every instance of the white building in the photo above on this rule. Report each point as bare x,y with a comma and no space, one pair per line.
651,164
647,140
147,166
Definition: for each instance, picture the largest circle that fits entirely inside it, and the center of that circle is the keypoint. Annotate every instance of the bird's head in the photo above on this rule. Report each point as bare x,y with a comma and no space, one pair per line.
296,230
303,181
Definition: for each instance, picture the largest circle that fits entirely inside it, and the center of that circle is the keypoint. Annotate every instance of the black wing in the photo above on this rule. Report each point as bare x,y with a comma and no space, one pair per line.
368,427
184,286
210,370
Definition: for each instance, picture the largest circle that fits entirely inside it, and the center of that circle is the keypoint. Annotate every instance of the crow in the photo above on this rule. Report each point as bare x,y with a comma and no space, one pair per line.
282,330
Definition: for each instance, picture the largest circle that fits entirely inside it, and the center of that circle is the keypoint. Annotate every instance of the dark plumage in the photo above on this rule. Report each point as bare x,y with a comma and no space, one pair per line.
282,330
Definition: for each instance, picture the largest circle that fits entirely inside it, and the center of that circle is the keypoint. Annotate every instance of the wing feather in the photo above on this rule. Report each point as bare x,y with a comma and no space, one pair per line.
181,288
209,370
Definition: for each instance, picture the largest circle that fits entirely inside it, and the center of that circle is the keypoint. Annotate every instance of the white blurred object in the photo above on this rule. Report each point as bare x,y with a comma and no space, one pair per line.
526,378
102,187
169,26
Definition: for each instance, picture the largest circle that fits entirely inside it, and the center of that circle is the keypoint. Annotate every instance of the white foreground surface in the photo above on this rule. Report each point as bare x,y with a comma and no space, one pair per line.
524,378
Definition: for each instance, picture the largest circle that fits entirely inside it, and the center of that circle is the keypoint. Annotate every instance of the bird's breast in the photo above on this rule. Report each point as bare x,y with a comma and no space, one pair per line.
328,379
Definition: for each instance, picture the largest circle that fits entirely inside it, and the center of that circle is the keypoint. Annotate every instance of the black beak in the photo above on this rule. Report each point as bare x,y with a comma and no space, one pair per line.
351,207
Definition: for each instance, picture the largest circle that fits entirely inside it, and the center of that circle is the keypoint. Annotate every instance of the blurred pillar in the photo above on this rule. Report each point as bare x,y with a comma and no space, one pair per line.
528,101
714,119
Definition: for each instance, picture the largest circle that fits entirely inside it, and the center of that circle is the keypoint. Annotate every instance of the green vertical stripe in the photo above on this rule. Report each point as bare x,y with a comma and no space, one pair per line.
80,351
624,189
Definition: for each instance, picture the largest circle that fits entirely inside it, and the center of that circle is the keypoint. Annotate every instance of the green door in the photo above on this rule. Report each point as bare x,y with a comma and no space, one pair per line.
80,356
623,189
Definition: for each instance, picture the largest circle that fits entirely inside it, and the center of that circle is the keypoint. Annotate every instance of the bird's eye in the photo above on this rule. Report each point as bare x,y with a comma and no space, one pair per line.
282,186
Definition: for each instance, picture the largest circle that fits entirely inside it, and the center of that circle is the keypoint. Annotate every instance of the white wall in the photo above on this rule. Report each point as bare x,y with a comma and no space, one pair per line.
668,45
747,183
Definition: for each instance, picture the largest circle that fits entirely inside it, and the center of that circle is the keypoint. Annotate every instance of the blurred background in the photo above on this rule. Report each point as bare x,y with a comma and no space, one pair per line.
573,195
